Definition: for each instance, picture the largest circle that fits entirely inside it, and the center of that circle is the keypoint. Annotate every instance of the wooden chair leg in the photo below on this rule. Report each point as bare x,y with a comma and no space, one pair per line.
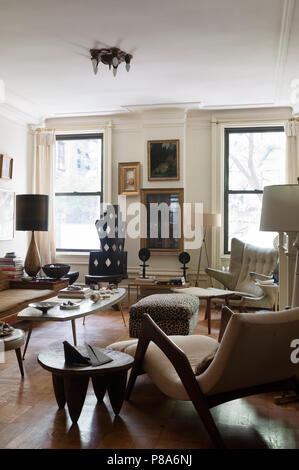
131,382
208,421
20,360
137,366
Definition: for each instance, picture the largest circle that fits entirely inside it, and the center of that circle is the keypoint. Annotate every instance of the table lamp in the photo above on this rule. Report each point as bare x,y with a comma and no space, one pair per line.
209,220
32,214
280,213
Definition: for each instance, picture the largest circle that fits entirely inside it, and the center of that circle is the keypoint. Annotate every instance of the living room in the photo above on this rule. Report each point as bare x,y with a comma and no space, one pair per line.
89,92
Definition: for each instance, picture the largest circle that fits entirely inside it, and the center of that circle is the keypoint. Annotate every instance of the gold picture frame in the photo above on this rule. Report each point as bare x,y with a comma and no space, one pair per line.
129,178
163,160
6,167
163,245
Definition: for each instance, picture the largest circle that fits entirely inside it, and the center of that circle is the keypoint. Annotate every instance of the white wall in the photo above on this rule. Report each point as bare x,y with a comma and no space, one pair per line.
130,134
15,143
201,160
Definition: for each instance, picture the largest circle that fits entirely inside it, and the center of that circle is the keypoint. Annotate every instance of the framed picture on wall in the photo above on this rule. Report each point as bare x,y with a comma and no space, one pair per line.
6,167
7,209
163,157
129,178
163,227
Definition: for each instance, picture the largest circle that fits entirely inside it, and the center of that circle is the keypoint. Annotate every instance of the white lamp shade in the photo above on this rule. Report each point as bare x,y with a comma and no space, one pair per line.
280,209
212,220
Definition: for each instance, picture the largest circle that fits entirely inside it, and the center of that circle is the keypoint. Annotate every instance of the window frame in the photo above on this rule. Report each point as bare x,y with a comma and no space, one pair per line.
227,191
97,135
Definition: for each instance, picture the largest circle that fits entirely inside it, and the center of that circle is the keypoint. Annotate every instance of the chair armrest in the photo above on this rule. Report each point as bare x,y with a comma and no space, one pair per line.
226,315
226,278
260,277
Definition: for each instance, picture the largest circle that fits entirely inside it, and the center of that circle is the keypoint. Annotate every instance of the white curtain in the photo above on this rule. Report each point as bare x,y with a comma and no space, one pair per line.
44,159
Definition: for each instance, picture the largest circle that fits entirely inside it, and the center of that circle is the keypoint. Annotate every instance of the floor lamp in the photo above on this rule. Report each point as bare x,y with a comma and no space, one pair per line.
280,213
209,220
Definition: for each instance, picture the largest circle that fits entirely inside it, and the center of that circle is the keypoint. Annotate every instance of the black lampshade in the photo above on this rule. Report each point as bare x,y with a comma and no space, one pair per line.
32,212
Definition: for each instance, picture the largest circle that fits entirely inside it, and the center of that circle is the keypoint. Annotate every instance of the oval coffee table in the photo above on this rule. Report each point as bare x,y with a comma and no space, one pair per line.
87,307
70,382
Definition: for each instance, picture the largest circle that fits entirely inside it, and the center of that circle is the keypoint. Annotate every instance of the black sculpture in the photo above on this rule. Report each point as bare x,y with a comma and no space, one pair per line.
72,356
184,258
95,356
144,254
111,260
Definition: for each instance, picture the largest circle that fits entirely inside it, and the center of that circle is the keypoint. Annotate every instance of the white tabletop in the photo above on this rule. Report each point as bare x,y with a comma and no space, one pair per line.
200,292
87,307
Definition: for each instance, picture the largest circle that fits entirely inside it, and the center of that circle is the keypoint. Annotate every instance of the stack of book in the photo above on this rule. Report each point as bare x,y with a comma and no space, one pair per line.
12,267
78,293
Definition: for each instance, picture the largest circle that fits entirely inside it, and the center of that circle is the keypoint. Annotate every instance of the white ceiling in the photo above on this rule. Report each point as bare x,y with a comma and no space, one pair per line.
215,52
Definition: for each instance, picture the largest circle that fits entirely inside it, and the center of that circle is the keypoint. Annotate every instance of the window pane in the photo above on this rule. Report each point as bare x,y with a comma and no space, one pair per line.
78,165
244,212
256,159
75,222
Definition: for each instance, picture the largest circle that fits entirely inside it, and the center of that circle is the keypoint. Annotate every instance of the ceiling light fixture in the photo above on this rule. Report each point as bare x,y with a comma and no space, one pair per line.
112,57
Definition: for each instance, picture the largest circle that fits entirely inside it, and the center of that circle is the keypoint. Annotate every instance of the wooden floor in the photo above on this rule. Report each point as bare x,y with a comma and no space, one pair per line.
29,416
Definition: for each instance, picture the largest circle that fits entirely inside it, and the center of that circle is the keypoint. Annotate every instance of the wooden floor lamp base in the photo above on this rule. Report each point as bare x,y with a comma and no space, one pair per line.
32,261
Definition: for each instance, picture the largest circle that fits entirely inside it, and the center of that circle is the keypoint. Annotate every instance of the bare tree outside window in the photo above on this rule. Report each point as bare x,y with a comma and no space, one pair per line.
254,158
79,190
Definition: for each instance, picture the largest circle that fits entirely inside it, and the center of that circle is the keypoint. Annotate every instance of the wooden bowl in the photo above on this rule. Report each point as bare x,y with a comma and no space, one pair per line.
57,270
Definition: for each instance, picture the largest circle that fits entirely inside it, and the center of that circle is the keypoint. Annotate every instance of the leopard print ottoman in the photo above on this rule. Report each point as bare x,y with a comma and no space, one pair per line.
175,314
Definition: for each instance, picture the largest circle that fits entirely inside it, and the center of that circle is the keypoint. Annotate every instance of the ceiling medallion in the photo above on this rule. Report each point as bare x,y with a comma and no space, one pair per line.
111,56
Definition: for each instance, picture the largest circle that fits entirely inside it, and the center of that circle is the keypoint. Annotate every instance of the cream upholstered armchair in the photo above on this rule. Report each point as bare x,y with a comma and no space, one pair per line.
248,263
183,368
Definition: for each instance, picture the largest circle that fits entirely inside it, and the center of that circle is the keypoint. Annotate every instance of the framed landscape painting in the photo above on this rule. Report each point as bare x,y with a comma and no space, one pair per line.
163,160
163,225
7,206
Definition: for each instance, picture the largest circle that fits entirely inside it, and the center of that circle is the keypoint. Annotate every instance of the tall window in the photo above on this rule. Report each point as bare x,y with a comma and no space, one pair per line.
254,158
79,191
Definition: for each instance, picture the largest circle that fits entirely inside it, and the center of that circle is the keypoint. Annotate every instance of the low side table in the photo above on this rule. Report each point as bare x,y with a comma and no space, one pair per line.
152,285
207,294
70,382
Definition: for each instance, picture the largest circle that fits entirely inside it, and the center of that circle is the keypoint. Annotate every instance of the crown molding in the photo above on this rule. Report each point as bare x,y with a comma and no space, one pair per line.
94,113
221,107
162,106
17,115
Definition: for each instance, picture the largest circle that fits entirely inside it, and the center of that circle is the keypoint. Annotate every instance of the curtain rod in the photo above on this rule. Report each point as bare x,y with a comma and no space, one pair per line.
43,129
253,120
